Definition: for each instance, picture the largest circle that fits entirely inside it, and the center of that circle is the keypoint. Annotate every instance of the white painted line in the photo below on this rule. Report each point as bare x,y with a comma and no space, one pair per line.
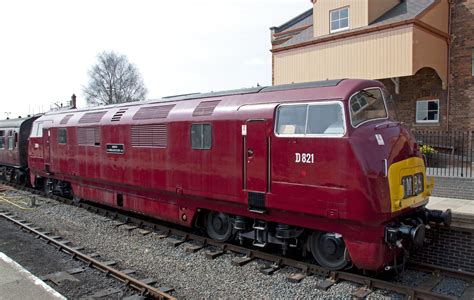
30,276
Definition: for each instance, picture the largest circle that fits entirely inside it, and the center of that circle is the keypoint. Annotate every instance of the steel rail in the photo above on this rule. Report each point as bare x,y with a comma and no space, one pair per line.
308,268
141,286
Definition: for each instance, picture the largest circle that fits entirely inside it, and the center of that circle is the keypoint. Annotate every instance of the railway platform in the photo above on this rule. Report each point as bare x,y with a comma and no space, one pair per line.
463,210
17,283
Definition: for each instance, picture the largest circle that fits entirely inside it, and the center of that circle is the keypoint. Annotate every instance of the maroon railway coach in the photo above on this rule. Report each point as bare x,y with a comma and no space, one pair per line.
14,134
317,166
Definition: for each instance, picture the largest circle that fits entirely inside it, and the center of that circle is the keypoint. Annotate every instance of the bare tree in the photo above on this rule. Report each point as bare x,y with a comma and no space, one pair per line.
114,80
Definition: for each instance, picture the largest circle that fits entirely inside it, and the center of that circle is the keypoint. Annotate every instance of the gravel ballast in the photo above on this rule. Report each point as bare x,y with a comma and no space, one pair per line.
190,274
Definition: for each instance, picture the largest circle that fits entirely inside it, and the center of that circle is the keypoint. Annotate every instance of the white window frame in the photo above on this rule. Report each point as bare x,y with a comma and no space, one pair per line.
331,20
426,121
472,61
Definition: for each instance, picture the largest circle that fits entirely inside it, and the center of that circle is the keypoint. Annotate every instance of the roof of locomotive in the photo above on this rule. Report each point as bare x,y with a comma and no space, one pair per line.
229,101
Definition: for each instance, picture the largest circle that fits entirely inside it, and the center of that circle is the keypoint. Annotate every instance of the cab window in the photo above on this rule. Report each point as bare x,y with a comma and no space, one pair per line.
313,119
367,105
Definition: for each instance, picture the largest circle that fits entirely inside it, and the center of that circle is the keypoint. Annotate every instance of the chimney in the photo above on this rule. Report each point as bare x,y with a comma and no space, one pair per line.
73,101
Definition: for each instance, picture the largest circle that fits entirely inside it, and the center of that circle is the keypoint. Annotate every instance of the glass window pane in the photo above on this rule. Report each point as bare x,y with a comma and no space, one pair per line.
292,119
432,116
372,106
334,15
334,25
422,106
344,13
421,115
325,119
196,136
207,132
432,105
344,23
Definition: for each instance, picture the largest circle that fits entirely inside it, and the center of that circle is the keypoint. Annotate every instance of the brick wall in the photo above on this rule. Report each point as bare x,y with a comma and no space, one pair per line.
425,84
448,247
454,187
461,79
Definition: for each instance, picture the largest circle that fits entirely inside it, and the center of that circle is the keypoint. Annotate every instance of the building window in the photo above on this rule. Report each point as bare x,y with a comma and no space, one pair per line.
427,111
339,19
201,136
62,136
2,139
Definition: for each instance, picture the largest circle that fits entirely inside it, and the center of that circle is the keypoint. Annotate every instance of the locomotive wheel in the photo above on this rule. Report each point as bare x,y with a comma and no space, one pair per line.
329,250
219,226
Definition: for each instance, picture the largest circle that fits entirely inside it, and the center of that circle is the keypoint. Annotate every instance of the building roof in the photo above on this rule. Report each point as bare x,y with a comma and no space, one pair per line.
300,29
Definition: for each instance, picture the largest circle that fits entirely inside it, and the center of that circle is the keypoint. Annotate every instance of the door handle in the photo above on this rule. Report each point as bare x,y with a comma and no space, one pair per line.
250,153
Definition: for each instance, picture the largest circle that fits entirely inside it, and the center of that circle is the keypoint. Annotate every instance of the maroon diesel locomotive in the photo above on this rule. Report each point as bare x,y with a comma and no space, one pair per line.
319,166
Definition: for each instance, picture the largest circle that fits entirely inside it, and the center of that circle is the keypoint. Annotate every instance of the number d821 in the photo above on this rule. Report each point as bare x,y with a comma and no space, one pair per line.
304,158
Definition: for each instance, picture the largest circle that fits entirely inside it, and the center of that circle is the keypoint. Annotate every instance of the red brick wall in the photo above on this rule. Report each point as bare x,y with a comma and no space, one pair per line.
461,79
425,84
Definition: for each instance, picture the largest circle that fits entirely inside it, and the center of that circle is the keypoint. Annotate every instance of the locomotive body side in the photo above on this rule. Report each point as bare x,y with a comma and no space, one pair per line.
225,163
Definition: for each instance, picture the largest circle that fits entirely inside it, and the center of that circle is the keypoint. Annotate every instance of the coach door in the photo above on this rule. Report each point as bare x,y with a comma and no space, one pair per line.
256,168
47,149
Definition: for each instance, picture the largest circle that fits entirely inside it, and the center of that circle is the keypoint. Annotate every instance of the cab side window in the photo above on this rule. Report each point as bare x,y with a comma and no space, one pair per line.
311,120
2,139
62,136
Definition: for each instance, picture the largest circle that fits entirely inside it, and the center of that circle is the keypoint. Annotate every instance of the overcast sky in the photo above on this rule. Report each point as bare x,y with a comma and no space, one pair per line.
47,47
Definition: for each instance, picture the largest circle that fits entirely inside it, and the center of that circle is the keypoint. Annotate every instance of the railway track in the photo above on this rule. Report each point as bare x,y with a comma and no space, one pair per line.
176,237
142,286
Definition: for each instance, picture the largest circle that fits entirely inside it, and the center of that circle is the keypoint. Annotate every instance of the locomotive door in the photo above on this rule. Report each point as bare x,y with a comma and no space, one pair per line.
256,151
47,149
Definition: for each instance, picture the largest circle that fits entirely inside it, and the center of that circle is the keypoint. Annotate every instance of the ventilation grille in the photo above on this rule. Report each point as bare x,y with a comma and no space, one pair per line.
92,117
205,108
153,112
155,135
65,119
88,136
118,115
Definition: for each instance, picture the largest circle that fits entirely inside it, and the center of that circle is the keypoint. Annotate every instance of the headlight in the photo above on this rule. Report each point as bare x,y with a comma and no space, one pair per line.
407,183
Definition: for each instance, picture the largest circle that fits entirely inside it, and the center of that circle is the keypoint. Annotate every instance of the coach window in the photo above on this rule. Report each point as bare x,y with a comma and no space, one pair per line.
11,140
2,139
201,136
62,136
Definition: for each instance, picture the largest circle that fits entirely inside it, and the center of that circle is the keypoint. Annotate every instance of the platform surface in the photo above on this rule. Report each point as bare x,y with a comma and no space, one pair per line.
17,283
463,210
457,206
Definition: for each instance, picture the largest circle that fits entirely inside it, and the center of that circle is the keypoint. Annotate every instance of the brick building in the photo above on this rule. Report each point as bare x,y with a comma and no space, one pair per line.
422,50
